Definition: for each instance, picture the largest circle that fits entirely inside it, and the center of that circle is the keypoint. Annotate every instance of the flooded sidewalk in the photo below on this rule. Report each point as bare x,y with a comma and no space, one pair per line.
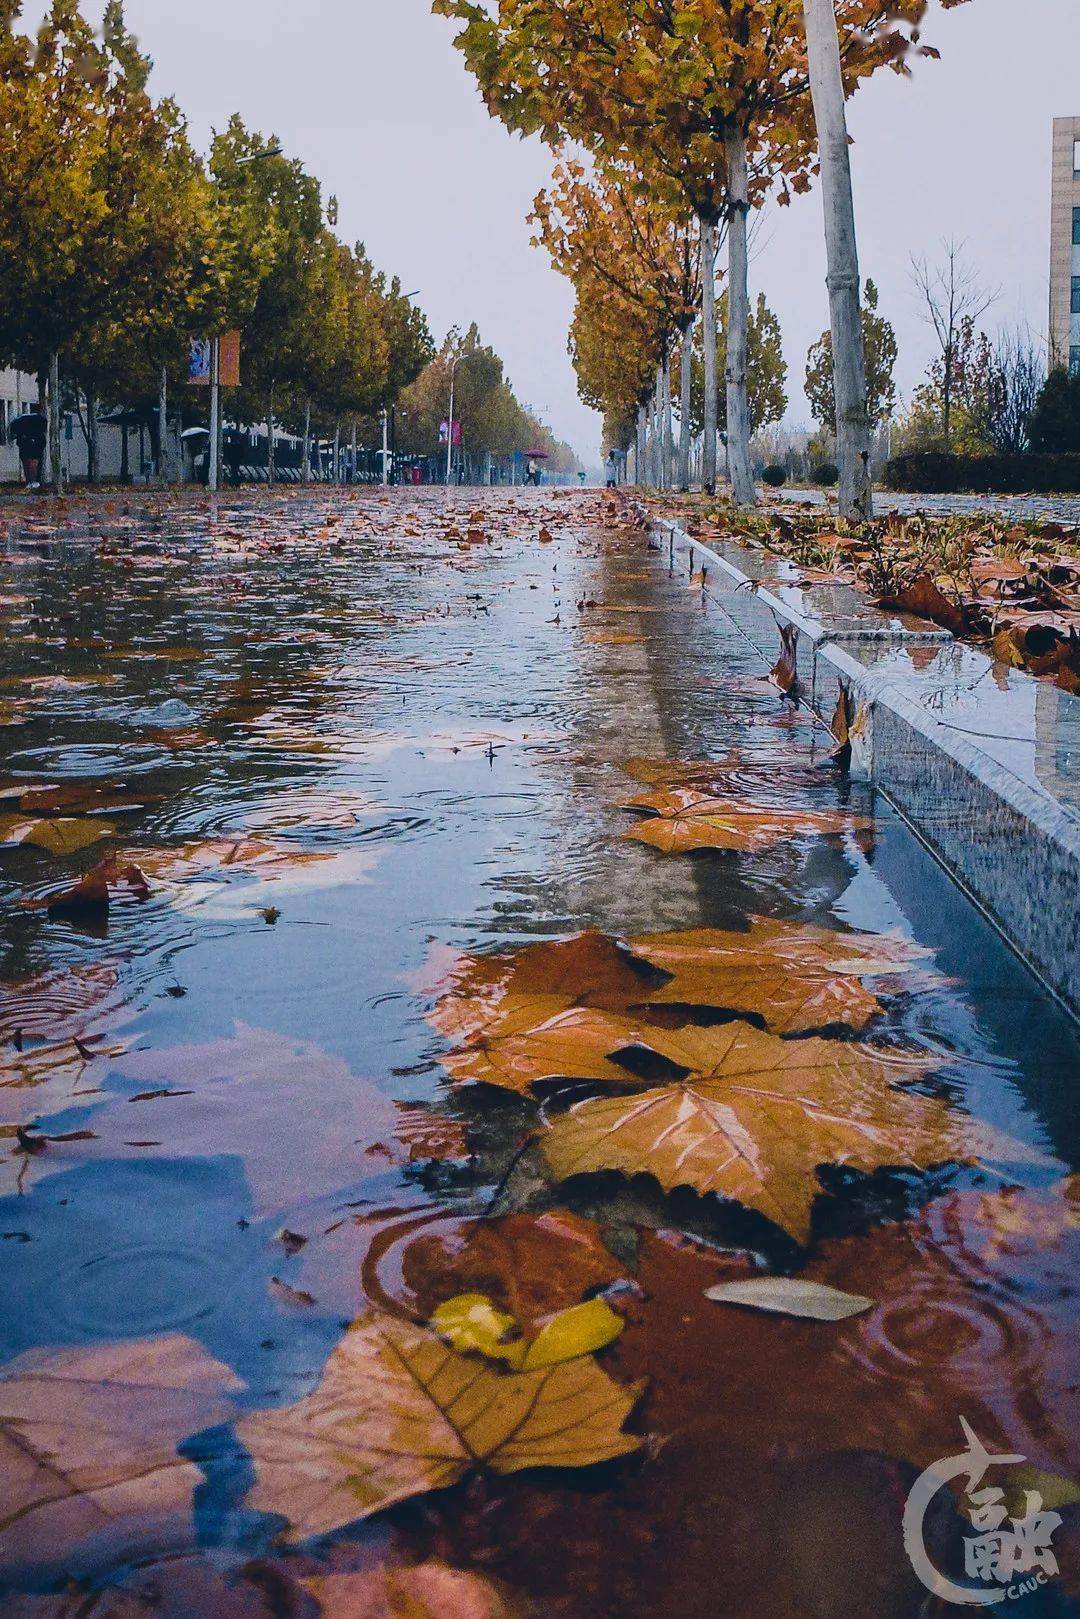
433,955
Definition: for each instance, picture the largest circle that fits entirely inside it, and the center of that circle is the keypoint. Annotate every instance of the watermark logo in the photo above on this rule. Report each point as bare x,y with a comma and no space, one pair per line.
1009,1555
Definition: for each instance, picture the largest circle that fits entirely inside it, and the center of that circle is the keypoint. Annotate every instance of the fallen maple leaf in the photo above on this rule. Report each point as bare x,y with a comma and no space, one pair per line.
576,1043
95,890
397,1414
488,996
89,1437
679,822
530,1265
63,836
785,671
755,1117
794,976
923,598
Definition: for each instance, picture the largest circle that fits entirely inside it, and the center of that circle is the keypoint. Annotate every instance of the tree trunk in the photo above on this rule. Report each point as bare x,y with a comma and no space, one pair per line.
686,360
56,473
946,398
658,427
639,449
352,454
669,443
337,452
307,442
708,338
93,446
271,457
163,429
738,399
849,366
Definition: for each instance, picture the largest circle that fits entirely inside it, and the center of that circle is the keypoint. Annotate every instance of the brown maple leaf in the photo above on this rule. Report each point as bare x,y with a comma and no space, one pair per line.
89,1436
795,977
682,820
397,1414
755,1116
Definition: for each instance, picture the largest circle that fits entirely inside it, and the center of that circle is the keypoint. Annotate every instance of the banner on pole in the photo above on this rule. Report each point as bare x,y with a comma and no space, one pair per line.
229,359
199,362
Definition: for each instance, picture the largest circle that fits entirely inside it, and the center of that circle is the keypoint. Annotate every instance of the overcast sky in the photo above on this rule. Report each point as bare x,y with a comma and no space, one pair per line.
371,95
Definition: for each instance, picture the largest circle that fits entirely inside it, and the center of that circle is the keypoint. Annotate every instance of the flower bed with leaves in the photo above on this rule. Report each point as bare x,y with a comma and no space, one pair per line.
1011,588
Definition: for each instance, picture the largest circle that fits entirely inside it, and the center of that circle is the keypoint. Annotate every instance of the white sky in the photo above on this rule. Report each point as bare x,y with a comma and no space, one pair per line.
371,95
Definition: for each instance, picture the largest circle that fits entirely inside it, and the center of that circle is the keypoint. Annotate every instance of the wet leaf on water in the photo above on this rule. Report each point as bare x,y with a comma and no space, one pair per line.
285,1294
924,599
95,890
89,1436
785,671
531,1265
790,1295
397,1414
80,797
756,1116
492,996
429,1590
794,976
577,1043
59,837
581,1330
470,1322
680,822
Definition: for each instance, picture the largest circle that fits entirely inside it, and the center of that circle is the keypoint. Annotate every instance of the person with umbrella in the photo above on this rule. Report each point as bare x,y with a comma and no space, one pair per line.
29,432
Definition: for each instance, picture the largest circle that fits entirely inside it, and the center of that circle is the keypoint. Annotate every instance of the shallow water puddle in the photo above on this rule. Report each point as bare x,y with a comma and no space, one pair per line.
502,943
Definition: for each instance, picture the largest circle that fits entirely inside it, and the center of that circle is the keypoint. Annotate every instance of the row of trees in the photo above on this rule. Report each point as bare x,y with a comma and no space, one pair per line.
120,245
492,421
691,114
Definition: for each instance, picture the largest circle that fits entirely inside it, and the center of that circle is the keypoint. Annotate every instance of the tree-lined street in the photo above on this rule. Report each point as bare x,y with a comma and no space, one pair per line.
537,1020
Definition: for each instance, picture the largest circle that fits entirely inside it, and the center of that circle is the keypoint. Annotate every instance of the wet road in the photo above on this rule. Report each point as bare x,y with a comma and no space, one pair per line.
344,738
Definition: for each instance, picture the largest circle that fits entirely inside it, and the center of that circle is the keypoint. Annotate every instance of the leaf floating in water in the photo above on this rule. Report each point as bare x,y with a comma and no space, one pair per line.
95,890
574,1044
89,1437
471,1322
679,822
794,977
59,837
285,1294
788,1295
397,1414
756,1115
497,995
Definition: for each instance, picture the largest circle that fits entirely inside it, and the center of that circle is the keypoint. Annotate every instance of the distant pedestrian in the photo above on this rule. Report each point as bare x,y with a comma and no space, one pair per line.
30,432
612,471
532,472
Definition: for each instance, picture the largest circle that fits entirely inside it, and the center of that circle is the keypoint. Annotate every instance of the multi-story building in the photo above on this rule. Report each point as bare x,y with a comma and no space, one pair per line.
1065,245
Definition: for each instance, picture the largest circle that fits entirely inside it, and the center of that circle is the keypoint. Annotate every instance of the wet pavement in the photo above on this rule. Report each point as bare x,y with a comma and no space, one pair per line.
344,738
1021,508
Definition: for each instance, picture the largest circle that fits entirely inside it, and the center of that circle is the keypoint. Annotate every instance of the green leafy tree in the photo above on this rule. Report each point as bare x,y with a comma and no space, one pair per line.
880,352
766,370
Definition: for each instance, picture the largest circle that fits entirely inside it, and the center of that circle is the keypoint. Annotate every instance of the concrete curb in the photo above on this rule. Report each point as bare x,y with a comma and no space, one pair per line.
1013,847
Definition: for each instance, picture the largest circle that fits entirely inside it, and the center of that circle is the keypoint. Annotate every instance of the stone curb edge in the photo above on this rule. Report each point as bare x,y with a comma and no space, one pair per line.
1015,851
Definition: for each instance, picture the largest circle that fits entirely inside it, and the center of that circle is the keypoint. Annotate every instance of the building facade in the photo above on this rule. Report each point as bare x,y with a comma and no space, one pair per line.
1065,246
